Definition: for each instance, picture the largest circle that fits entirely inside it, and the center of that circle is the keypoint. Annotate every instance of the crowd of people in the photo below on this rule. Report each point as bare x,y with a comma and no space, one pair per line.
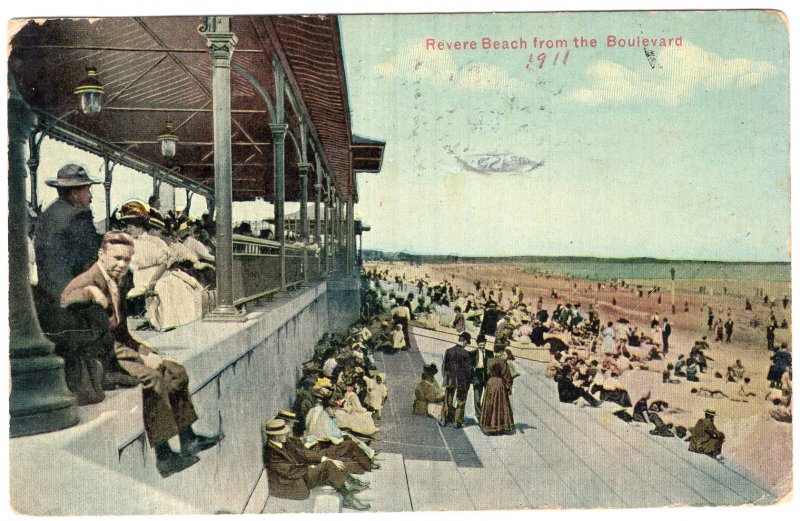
325,439
587,359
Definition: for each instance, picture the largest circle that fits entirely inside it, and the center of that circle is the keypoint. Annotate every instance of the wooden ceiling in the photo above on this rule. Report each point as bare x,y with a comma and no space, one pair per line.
158,68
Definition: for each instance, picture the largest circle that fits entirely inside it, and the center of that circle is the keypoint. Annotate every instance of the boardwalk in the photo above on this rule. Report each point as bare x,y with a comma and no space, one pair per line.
563,455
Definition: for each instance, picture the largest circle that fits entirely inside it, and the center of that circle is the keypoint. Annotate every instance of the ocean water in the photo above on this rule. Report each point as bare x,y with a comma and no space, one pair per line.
652,269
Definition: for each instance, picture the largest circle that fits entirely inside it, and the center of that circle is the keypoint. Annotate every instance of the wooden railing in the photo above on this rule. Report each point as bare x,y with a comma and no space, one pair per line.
256,267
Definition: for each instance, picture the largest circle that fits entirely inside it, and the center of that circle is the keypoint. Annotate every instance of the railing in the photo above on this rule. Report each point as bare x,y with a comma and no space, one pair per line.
257,271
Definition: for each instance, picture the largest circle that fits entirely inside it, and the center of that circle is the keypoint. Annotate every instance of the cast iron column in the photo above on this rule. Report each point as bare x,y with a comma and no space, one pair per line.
40,400
221,40
326,235
350,231
317,201
278,146
303,168
108,167
34,147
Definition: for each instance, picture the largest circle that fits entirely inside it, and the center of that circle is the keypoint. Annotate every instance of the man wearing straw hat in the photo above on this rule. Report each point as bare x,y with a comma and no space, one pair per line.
294,470
706,438
355,460
66,241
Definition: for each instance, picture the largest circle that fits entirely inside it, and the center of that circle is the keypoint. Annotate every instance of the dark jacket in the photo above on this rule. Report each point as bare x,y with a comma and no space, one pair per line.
480,375
66,242
490,318
287,469
457,367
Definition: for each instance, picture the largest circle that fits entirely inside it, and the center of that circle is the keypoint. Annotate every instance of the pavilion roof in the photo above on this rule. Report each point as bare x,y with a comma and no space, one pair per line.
158,68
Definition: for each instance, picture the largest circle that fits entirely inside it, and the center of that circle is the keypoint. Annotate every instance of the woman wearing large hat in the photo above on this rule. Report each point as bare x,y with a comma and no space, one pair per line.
429,395
174,298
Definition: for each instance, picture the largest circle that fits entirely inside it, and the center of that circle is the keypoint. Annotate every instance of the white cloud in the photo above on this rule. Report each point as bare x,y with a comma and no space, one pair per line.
680,72
413,62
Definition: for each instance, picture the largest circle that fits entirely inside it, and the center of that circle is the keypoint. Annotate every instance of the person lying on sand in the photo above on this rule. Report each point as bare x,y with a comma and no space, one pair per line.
711,393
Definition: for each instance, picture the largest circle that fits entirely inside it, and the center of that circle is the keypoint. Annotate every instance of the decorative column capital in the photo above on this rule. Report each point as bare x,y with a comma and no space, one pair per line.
219,38
303,169
279,131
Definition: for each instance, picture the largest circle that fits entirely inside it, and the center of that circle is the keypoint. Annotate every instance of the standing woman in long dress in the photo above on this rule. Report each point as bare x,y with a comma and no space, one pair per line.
496,414
609,343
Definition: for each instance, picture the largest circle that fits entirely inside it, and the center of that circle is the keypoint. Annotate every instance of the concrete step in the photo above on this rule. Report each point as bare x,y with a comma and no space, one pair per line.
388,490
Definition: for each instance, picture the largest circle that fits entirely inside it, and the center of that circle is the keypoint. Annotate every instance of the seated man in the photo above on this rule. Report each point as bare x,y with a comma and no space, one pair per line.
568,392
355,460
680,366
614,392
167,404
666,375
706,438
294,470
735,372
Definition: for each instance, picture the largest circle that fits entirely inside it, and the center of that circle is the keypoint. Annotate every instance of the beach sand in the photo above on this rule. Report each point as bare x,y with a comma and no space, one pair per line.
754,442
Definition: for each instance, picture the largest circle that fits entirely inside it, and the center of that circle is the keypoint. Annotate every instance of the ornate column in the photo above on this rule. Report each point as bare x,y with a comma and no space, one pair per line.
108,167
279,152
317,200
279,129
350,231
221,41
303,168
326,238
34,147
39,401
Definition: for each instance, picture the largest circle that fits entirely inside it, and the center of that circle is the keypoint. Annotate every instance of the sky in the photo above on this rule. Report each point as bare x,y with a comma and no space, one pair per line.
608,152
682,154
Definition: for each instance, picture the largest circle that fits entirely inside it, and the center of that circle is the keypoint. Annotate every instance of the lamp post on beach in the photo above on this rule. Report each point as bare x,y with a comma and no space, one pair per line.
672,275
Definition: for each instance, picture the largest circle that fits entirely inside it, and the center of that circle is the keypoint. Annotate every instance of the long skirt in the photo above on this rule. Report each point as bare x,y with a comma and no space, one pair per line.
496,415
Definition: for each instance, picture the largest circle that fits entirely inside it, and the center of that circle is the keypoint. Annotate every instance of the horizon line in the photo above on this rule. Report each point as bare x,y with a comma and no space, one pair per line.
587,256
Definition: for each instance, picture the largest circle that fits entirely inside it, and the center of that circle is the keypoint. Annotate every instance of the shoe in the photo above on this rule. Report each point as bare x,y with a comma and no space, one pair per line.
459,425
357,480
200,442
354,488
348,501
113,380
375,465
173,463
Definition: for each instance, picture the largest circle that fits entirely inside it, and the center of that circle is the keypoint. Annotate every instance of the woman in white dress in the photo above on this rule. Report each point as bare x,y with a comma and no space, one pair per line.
609,343
176,298
354,416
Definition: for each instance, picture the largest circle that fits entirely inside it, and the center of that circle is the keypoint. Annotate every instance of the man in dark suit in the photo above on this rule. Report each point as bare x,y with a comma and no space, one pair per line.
457,370
490,318
480,373
66,240
167,404
666,331
293,470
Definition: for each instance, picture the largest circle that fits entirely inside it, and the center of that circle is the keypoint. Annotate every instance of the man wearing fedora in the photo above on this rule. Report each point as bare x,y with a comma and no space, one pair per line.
457,371
293,470
706,438
66,240
480,363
